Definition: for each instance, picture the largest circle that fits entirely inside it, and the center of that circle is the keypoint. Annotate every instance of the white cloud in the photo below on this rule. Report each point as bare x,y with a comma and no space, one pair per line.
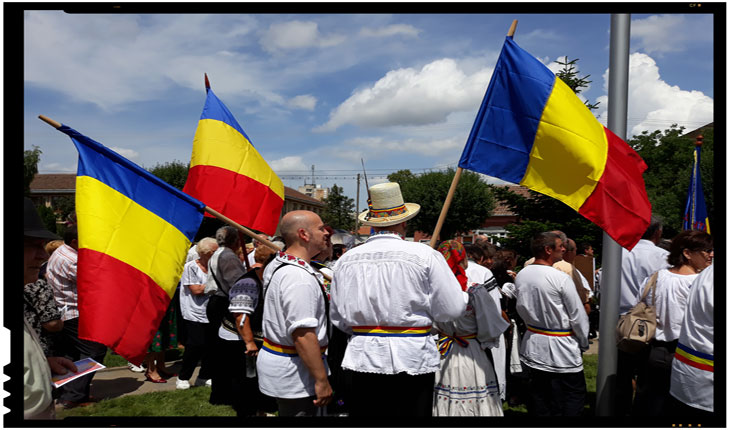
56,168
412,97
288,164
306,102
282,36
661,33
379,148
390,30
124,152
654,104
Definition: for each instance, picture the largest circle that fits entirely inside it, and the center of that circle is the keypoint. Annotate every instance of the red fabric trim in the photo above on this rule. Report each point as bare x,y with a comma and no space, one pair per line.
119,305
240,198
619,204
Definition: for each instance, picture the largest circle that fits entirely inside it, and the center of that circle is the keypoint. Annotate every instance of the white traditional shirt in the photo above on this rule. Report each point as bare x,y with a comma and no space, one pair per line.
693,377
61,275
637,265
556,320
672,291
293,298
388,292
193,307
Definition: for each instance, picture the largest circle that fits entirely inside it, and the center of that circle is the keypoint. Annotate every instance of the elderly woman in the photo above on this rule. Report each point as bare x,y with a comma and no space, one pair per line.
690,253
193,303
466,384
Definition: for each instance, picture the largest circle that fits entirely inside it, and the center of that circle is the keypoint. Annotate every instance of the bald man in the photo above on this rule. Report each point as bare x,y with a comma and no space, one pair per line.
291,365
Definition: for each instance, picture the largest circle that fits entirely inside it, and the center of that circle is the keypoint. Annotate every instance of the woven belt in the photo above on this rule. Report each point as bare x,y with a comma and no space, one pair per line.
283,350
549,332
371,330
696,359
446,342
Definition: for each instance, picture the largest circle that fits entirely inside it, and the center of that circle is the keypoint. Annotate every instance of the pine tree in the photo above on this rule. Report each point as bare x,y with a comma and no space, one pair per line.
338,210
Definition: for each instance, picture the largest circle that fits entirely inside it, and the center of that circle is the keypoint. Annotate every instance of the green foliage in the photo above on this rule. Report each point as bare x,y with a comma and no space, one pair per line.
31,157
174,173
338,210
669,159
48,217
64,206
539,213
569,75
473,200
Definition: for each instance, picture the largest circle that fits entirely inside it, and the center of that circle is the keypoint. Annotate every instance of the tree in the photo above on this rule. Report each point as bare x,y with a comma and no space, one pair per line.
31,157
569,75
669,159
538,213
338,209
48,216
473,201
174,173
64,206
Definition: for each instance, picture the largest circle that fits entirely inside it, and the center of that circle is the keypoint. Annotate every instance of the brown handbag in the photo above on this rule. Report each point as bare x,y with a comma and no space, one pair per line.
636,329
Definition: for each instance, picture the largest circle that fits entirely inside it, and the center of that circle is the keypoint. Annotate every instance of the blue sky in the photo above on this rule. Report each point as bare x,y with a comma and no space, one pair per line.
398,90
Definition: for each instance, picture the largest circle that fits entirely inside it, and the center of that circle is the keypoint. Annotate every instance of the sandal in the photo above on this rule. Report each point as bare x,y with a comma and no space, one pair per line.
156,381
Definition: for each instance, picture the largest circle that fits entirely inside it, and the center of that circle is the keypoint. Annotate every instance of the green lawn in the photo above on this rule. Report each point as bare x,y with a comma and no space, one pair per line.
194,402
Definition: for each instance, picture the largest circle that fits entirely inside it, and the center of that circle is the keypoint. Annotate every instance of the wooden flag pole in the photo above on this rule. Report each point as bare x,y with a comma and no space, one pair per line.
239,227
457,176
242,229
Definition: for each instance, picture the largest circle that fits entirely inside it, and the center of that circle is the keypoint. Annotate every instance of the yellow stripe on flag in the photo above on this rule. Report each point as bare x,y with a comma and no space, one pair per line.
570,150
111,223
218,144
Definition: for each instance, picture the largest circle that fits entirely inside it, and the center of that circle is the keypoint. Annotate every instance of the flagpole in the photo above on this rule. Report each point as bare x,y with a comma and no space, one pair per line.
244,230
618,85
457,176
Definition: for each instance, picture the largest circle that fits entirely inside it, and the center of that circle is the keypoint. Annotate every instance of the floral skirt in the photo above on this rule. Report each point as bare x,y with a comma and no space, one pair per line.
466,384
166,336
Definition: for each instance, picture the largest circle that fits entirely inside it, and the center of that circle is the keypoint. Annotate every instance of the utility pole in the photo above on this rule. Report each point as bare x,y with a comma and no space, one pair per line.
357,204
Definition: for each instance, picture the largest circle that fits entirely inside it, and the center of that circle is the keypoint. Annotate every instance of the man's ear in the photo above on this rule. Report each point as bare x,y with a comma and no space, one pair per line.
303,234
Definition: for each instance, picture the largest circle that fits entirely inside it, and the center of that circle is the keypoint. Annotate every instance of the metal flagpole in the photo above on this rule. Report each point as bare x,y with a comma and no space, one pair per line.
618,86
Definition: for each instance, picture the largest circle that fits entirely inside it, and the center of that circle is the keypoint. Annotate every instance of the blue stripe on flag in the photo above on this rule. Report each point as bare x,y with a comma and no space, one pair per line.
172,205
215,109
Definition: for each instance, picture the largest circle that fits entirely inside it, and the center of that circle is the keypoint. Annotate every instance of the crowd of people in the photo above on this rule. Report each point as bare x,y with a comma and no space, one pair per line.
390,327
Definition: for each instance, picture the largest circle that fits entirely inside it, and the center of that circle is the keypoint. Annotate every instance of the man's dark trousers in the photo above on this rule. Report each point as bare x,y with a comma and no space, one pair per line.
75,349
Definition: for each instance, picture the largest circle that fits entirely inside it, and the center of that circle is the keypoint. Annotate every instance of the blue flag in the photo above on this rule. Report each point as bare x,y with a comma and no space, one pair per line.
695,211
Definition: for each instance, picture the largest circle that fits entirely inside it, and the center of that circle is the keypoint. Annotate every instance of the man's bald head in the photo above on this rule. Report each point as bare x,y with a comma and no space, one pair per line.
291,222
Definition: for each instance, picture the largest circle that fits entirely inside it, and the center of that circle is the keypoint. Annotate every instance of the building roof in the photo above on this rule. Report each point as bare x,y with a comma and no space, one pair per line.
66,182
292,194
501,208
54,182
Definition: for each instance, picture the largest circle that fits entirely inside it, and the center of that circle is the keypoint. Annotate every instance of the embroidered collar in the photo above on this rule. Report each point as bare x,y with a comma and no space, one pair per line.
285,258
387,232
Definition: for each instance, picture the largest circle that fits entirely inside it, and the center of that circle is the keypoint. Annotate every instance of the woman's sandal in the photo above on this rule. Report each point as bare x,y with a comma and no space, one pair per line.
156,381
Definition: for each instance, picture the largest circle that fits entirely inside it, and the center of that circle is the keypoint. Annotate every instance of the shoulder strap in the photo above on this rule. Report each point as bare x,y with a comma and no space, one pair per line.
321,289
650,285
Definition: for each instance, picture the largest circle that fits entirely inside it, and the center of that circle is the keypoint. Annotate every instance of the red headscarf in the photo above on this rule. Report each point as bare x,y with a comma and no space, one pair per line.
454,254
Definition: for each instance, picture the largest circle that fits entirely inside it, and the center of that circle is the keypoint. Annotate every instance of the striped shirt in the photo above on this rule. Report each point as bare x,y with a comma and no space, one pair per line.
61,275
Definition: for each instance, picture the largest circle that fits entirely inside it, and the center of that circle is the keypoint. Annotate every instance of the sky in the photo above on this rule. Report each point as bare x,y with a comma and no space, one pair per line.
395,90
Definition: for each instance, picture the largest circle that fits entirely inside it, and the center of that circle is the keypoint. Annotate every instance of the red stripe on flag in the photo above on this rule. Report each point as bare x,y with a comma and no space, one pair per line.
619,203
231,194
119,306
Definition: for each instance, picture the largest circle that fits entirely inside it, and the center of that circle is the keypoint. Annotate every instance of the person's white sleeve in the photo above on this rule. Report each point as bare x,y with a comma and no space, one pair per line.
576,312
448,301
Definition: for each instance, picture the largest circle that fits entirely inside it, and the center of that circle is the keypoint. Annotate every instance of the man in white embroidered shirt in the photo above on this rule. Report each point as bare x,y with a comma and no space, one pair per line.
387,293
557,332
291,365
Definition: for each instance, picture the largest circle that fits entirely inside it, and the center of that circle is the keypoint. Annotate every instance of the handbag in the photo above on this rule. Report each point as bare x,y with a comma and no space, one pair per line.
636,329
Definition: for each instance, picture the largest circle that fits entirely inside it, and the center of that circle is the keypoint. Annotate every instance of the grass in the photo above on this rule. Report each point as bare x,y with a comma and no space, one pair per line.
194,402
113,360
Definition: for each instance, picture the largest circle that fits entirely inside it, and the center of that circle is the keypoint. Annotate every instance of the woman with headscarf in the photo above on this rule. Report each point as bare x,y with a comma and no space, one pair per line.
466,384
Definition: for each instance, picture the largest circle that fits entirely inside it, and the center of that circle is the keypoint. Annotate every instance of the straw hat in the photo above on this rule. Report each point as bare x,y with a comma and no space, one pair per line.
387,207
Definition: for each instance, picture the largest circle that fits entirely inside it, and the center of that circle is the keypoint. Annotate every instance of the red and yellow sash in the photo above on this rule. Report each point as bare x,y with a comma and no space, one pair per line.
548,331
368,330
696,359
446,342
284,350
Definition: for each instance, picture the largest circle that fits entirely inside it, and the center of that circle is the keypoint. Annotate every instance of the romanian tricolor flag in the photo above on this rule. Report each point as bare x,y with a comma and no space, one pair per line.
534,131
228,174
695,212
134,231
